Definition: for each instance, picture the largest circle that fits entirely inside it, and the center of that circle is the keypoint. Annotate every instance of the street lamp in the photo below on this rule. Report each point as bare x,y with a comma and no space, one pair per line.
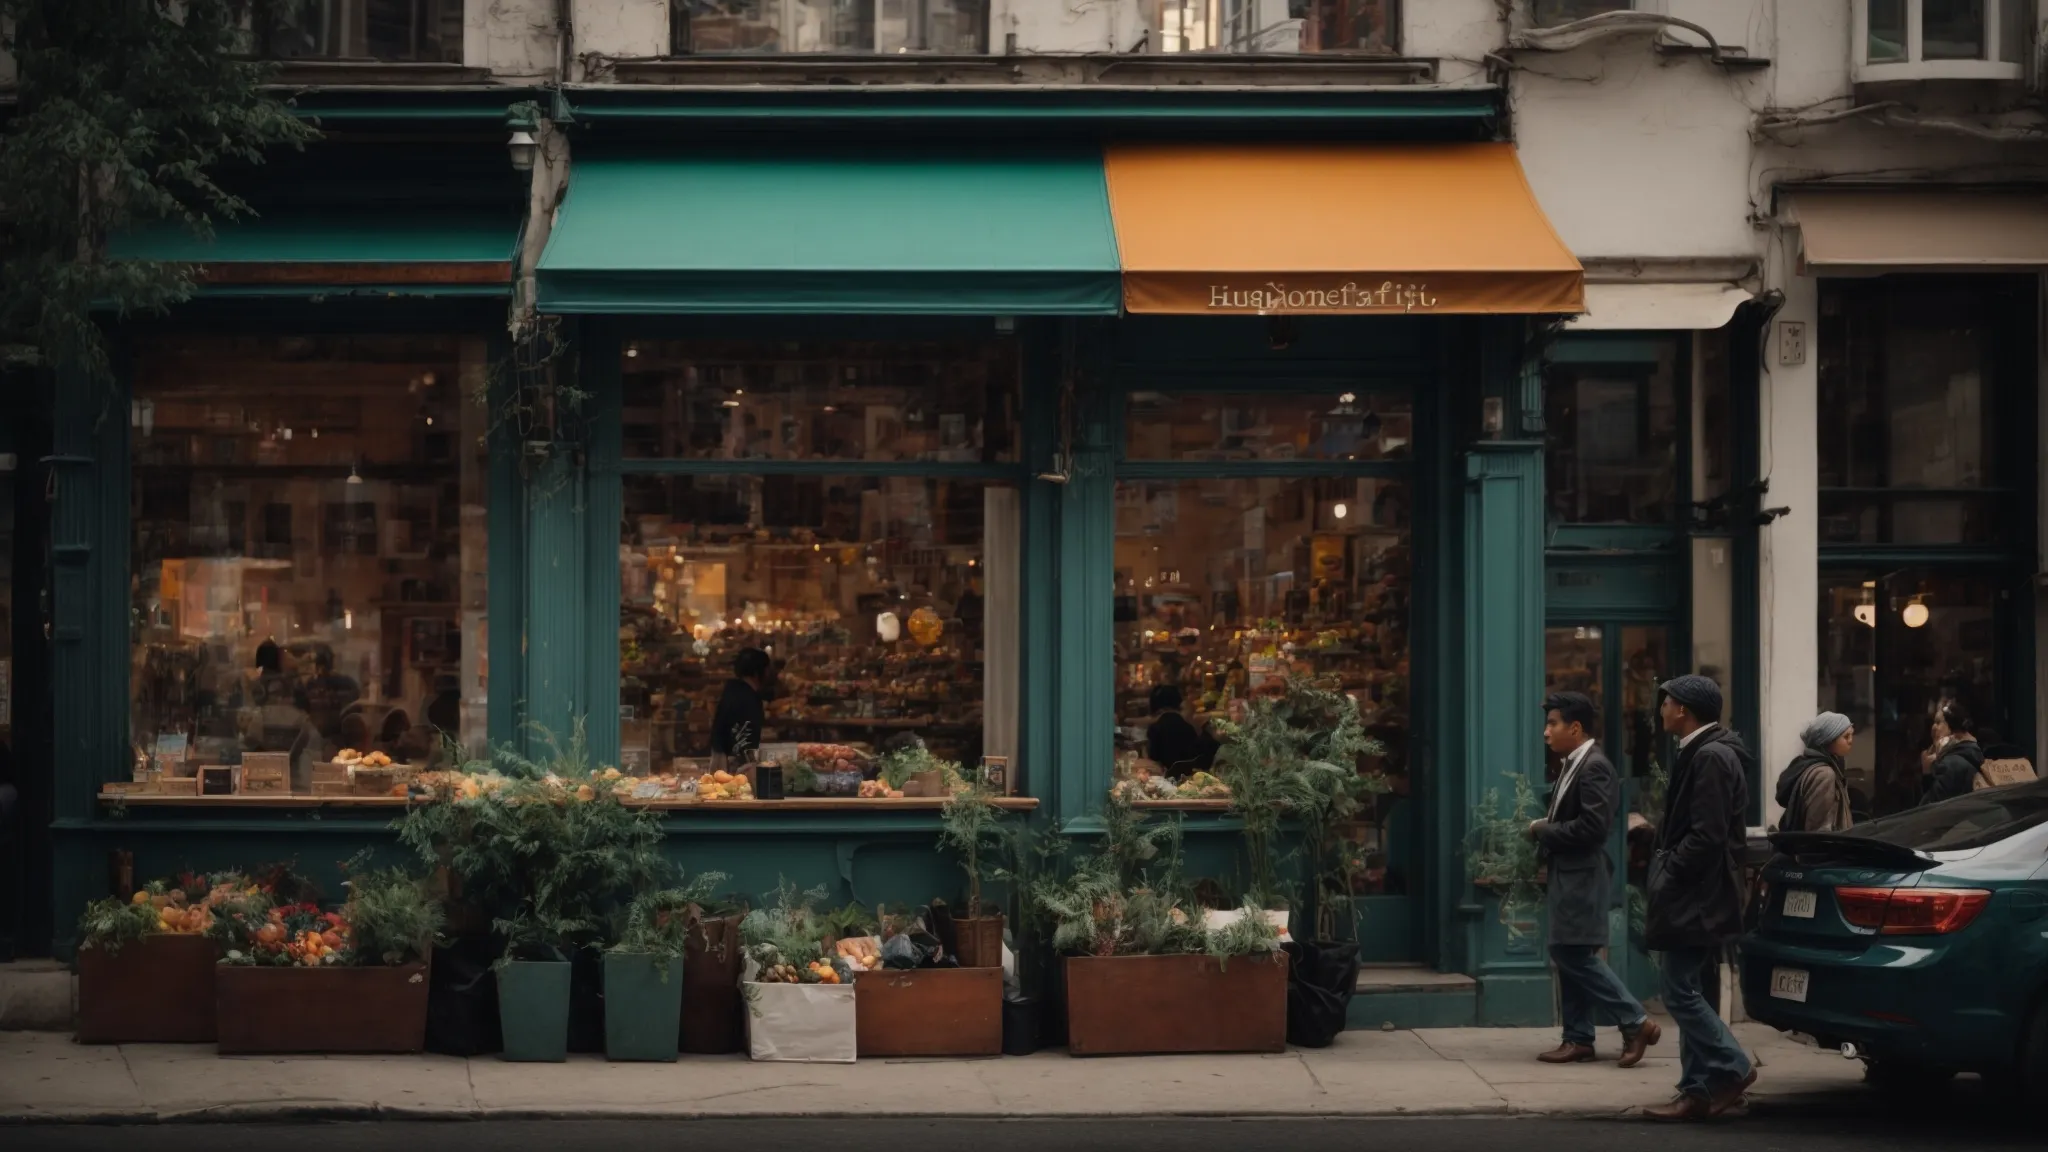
522,146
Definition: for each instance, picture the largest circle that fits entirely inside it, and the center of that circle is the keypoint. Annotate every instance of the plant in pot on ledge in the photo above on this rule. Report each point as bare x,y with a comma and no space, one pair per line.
974,830
297,979
1142,973
643,971
551,859
145,964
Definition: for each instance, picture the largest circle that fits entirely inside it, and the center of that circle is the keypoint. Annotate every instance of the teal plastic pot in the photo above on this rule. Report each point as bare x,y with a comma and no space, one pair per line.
533,1009
643,1000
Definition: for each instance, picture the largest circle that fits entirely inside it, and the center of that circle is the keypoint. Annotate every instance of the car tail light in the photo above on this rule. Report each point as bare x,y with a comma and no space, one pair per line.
1911,911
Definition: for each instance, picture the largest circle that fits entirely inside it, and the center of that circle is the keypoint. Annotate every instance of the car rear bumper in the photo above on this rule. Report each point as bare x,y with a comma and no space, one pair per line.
1893,1001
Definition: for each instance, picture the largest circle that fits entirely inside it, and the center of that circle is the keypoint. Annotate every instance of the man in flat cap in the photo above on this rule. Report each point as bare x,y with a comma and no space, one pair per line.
1696,894
1572,840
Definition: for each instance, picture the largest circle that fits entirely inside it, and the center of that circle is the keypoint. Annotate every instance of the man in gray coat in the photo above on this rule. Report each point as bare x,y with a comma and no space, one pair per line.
1572,841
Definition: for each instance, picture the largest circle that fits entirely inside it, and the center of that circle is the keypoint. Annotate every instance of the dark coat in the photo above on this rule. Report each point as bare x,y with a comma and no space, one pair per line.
1955,772
1695,881
1574,848
736,725
1176,745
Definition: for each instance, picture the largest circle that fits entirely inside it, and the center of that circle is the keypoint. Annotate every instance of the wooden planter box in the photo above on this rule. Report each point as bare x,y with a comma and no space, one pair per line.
1131,1005
713,1019
157,990
929,1012
334,1009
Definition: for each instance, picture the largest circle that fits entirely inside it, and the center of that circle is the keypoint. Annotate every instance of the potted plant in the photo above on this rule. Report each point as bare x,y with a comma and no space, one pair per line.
145,964
799,1003
1143,973
972,828
643,972
1501,858
551,855
297,979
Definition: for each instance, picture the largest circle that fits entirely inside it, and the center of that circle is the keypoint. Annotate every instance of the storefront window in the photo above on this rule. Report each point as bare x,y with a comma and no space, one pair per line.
1895,645
309,553
885,605
1339,424
1612,421
1224,588
860,401
1909,398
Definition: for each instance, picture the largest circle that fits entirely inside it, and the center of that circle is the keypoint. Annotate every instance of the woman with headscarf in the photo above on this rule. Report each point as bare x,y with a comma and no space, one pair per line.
1814,788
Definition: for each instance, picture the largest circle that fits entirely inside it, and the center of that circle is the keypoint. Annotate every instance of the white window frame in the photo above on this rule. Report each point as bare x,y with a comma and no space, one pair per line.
1913,67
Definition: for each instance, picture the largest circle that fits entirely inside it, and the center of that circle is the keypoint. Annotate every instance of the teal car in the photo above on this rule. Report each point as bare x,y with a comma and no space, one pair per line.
1917,942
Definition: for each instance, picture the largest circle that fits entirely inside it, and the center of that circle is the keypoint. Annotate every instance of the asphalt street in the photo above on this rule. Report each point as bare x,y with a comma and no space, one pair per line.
1923,1133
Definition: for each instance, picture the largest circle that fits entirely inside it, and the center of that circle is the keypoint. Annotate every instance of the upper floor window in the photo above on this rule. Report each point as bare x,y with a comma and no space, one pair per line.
1940,39
1278,26
1551,13
831,27
392,31
1612,420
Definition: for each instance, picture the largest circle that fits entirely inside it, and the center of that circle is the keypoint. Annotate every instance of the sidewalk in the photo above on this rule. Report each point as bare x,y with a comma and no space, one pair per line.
1439,1072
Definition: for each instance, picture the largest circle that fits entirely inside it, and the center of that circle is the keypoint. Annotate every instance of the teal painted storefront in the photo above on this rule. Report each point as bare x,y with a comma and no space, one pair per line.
1476,480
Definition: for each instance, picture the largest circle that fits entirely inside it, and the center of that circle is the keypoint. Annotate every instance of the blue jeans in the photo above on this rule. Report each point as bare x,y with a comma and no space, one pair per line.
1589,994
1709,1059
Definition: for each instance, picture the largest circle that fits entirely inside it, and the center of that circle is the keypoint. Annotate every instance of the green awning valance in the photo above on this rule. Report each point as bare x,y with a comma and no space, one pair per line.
284,252
1019,233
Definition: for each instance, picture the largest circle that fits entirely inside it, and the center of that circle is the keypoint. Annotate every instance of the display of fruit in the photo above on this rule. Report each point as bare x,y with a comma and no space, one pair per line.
1203,786
860,953
376,760
723,785
348,756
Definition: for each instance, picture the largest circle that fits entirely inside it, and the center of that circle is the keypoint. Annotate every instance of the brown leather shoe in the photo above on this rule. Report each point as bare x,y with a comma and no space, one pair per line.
1635,1047
1568,1053
1730,1096
1682,1109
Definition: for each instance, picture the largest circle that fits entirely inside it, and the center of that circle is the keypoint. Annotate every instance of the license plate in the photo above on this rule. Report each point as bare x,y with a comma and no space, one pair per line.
1799,902
1788,984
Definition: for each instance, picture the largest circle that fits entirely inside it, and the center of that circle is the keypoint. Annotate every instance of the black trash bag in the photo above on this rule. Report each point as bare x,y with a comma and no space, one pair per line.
917,946
462,1000
1321,979
586,1001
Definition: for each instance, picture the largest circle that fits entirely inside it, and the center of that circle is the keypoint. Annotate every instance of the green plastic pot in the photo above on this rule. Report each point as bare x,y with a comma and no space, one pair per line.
643,1000
533,1009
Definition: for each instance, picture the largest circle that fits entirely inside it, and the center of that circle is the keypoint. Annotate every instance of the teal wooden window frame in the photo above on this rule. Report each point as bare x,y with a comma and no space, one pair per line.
603,345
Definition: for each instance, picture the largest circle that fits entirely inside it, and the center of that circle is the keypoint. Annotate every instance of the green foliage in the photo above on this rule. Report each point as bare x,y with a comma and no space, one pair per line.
896,768
1295,756
850,921
658,924
112,923
392,917
553,866
790,931
972,828
1500,854
1251,934
126,109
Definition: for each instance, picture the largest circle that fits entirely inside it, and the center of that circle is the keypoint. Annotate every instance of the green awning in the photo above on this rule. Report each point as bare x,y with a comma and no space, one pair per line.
1020,233
284,252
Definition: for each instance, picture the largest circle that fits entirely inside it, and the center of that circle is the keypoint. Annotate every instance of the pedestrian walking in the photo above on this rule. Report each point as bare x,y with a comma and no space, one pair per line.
1696,895
1814,789
1571,840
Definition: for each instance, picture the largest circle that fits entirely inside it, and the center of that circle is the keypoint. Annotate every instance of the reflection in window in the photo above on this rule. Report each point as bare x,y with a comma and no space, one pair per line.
309,551
1550,13
1337,425
707,27
1279,26
888,606
1887,32
1226,587
407,31
1909,392
1613,440
1952,29
1894,646
871,402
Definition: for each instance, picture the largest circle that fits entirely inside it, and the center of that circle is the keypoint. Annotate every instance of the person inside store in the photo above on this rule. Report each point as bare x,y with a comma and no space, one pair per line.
328,694
1171,742
1696,894
272,683
1571,841
1814,789
737,723
1952,760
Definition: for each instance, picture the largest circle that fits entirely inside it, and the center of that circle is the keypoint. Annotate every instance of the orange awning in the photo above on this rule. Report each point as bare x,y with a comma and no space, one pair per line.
1335,229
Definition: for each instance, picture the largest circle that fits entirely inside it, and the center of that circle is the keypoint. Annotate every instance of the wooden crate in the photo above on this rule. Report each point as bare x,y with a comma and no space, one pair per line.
218,780
929,1012
156,990
1132,1005
331,1009
266,787
266,766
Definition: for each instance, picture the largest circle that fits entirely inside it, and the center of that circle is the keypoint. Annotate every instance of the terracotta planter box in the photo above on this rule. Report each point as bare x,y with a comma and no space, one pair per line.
329,1010
929,1012
1131,1005
157,990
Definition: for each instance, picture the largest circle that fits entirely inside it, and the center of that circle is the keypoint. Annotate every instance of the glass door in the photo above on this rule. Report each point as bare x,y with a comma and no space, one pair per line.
1619,665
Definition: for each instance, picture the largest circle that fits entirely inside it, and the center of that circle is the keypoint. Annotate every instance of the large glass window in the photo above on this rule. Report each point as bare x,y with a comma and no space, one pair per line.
1337,424
884,602
1894,646
952,27
1912,377
409,31
1611,415
309,553
1279,26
